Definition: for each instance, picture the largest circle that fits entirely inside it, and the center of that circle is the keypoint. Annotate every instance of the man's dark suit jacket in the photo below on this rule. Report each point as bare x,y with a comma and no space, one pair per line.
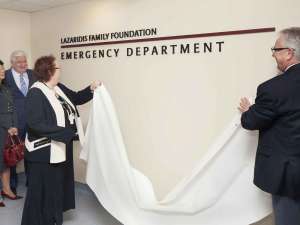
276,114
19,99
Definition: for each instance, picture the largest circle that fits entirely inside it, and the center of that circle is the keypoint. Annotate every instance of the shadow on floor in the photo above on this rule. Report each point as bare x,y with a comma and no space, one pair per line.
266,221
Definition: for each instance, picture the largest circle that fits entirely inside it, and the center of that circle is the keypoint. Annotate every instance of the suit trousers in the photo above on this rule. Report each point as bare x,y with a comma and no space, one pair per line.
286,210
13,179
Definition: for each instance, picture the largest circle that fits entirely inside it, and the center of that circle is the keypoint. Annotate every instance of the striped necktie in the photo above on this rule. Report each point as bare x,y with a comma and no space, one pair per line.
23,86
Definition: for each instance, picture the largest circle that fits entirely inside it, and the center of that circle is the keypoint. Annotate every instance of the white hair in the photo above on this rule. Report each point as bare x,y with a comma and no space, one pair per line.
17,53
291,38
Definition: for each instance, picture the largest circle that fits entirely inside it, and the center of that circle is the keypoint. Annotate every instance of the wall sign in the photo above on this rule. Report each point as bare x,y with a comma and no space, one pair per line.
94,46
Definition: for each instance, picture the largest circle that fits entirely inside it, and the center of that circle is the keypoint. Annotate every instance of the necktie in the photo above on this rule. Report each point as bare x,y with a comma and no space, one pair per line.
23,86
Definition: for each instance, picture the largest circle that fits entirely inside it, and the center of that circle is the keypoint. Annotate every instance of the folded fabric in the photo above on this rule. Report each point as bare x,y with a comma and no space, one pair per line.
218,191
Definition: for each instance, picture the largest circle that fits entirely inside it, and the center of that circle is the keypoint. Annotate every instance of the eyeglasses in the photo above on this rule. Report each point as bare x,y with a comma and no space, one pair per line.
280,49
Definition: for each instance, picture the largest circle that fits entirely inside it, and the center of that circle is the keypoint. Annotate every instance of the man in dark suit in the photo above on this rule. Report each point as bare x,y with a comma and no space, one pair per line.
19,79
276,114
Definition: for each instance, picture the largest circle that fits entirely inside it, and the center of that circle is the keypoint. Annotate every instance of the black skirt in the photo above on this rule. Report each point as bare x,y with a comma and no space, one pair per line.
68,183
50,192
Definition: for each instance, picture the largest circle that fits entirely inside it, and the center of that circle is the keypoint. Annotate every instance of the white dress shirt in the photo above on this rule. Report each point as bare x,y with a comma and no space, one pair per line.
16,76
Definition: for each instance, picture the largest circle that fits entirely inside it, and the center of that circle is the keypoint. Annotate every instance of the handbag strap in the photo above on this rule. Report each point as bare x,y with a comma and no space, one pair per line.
15,139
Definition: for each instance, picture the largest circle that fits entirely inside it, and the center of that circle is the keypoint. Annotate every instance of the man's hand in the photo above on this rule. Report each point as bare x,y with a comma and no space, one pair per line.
244,105
13,131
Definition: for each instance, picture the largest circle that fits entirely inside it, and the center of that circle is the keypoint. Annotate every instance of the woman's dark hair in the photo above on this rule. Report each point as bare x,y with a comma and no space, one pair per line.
1,64
44,68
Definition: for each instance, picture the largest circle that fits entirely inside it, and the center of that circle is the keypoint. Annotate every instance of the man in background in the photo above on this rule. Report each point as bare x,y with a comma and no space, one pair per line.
19,79
276,114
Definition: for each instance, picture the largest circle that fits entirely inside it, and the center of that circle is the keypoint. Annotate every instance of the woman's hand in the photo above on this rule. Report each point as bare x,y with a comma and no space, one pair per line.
244,105
95,84
13,131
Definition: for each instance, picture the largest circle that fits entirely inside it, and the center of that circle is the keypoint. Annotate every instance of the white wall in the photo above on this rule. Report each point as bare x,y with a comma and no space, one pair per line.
15,34
171,108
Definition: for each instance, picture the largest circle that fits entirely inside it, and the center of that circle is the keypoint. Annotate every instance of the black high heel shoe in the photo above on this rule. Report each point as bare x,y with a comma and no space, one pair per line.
4,195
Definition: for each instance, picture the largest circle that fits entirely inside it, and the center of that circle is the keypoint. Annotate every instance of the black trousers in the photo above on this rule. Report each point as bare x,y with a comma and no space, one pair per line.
13,179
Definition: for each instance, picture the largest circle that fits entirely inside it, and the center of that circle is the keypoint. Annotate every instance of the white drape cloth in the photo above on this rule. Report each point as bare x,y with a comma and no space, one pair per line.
219,191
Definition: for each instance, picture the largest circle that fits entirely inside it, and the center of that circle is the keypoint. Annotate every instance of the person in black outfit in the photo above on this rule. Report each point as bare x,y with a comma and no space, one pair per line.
52,121
8,124
276,114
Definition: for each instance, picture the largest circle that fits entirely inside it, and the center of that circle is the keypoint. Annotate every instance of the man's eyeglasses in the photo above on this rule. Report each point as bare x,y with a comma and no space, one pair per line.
280,49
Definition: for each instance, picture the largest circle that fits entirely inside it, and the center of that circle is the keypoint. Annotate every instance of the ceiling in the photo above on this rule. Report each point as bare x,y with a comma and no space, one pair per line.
33,5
